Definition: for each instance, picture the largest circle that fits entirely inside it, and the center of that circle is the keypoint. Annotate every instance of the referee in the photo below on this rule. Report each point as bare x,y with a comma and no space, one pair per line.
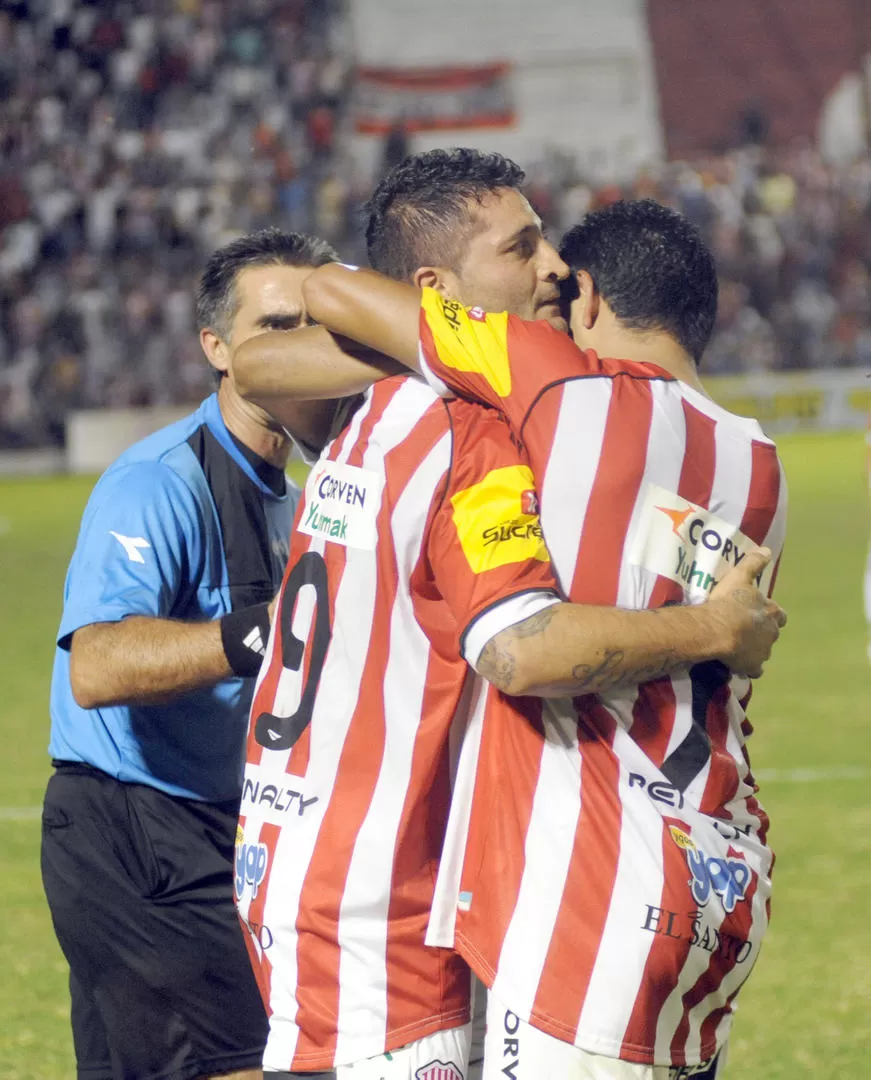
166,614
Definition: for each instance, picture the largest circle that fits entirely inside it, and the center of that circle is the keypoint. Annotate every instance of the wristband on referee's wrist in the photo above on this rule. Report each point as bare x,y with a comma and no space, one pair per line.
243,635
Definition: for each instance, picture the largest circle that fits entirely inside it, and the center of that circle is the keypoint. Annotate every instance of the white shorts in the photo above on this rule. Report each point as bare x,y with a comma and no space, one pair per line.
479,1026
515,1049
456,1054
442,1056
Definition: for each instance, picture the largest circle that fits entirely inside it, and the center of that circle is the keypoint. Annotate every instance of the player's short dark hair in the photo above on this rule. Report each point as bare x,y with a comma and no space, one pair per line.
651,266
419,214
217,302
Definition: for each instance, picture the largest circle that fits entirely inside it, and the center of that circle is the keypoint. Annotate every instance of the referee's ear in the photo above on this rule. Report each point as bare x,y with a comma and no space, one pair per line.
216,349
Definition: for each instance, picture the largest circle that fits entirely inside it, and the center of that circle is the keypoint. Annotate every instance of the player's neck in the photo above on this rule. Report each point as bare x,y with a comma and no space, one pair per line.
252,426
655,348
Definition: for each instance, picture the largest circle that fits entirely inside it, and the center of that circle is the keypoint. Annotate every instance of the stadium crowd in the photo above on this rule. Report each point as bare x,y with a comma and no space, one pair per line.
137,141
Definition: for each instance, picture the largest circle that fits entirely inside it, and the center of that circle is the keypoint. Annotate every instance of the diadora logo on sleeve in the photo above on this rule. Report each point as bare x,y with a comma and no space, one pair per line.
341,504
684,542
133,545
497,520
727,877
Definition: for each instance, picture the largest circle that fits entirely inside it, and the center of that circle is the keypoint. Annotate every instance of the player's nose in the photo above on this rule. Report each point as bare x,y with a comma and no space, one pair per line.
550,265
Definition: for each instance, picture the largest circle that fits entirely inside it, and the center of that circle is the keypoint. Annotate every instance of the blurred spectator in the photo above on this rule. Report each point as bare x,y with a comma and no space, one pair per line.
134,141
396,147
134,144
792,237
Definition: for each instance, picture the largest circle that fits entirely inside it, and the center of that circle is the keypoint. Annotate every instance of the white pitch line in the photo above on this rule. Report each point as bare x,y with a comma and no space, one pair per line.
20,813
811,775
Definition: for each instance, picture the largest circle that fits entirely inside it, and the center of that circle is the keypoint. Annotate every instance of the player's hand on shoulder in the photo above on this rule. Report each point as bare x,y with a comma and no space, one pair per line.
749,622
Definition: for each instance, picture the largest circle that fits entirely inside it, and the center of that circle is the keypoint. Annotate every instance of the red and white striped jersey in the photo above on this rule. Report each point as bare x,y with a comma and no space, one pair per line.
606,869
417,539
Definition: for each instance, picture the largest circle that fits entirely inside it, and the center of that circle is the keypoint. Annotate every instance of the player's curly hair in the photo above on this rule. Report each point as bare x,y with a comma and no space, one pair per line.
420,214
651,266
217,302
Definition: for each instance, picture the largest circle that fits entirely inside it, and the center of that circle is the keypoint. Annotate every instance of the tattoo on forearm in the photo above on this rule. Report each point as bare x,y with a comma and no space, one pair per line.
613,671
496,665
499,659
535,624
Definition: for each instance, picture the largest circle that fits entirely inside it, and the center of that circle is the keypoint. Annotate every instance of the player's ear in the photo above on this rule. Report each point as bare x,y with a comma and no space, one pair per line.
217,351
436,277
585,308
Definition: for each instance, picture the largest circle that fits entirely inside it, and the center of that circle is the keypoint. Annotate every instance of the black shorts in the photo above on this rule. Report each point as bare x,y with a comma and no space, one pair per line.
140,887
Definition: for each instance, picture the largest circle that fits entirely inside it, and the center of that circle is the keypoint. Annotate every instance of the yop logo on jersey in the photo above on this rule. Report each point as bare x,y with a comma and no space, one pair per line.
495,522
726,877
251,862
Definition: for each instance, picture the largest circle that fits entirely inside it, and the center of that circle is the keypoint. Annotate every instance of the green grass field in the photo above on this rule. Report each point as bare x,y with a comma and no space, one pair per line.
804,1012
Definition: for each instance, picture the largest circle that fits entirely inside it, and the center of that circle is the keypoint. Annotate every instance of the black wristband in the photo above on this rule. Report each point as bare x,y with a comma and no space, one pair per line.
244,634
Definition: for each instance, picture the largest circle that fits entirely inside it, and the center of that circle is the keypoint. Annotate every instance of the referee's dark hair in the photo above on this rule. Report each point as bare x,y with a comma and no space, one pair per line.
652,268
420,214
217,302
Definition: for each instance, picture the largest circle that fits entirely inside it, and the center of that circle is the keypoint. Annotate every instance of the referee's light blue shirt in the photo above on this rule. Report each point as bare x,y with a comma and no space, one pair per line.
180,526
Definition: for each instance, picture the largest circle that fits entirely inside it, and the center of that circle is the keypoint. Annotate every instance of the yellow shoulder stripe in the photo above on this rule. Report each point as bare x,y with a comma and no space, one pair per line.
470,340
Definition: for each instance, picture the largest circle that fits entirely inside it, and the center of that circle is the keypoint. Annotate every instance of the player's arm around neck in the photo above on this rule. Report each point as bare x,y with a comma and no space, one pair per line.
570,649
374,310
299,376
